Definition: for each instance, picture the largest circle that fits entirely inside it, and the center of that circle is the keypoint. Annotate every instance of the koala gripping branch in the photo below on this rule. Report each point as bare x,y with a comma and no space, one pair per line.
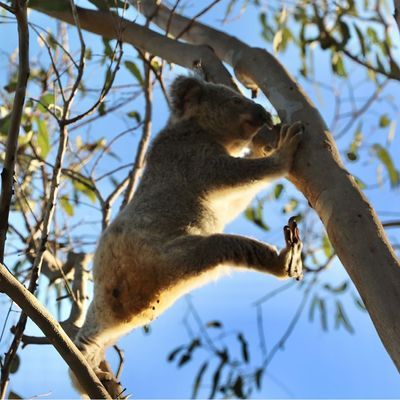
351,223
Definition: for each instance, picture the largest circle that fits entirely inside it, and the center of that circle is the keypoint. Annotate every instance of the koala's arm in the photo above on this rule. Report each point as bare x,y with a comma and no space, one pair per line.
234,171
265,142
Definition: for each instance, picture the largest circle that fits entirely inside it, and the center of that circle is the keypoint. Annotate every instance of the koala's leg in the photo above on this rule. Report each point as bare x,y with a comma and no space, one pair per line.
97,334
191,256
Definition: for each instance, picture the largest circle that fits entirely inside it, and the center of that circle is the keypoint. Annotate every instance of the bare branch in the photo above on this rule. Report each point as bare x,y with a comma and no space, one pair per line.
53,331
396,13
7,174
7,7
144,141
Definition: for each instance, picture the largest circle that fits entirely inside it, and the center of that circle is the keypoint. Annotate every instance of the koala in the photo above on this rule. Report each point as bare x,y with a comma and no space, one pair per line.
169,239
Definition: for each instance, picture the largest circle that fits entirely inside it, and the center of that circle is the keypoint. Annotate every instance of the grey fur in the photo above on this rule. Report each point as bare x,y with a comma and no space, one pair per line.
169,239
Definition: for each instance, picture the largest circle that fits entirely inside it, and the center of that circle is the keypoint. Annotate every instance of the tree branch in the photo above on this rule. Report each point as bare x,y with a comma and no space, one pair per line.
7,175
53,331
396,13
144,141
104,23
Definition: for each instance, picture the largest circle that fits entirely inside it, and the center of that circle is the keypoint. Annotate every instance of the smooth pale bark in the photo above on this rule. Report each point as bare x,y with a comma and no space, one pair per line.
110,26
351,223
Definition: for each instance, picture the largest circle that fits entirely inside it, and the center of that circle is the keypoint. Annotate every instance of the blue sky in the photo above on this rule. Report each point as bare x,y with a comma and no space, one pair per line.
313,364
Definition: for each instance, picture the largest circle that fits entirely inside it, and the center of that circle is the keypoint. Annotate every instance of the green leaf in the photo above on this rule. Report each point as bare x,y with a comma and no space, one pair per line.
323,314
186,357
244,348
254,214
135,115
359,303
217,374
326,246
278,190
174,353
43,139
290,206
193,345
214,324
46,100
359,183
108,51
67,206
341,318
386,160
134,70
352,152
87,191
5,124
318,304
371,32
384,121
281,39
313,307
338,65
258,377
198,379
238,388
361,40
338,289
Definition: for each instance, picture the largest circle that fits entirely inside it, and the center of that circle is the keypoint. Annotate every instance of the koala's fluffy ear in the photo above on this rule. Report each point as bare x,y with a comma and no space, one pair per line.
184,91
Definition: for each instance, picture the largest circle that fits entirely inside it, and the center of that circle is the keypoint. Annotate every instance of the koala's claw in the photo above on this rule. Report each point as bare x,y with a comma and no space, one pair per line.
294,245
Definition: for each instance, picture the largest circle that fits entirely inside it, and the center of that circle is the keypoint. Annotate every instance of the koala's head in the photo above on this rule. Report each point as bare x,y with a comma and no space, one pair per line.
230,117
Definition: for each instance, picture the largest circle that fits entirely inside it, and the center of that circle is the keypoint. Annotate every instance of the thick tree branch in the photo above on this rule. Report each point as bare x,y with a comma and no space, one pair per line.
110,26
53,331
396,13
352,225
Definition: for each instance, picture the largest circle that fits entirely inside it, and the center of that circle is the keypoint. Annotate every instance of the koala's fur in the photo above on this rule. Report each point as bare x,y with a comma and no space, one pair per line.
169,238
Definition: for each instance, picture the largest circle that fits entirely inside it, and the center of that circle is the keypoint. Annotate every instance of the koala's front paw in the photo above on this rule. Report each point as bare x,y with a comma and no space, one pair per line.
288,140
291,254
103,375
290,135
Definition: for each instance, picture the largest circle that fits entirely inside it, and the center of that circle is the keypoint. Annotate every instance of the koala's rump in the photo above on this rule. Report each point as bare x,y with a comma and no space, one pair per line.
125,272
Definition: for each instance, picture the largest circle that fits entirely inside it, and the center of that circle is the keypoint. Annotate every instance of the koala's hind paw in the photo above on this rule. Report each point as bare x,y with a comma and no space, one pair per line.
103,375
292,252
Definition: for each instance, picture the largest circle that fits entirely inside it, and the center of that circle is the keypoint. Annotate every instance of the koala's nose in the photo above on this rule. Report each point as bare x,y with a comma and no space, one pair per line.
261,116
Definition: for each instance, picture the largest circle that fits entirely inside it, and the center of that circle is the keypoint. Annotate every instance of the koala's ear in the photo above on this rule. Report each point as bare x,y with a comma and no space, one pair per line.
185,90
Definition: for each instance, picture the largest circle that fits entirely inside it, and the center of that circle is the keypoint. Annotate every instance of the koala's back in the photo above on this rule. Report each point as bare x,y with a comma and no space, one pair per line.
169,203
171,199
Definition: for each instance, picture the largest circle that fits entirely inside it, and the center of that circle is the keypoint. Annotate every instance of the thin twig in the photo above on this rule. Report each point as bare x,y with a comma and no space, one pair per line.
281,342
144,141
7,7
195,17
